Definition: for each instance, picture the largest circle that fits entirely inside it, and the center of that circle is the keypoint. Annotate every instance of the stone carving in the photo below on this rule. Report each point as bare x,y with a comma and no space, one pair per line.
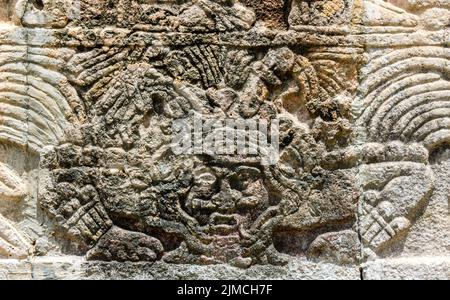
12,243
12,187
422,103
38,107
321,12
359,89
402,96
205,211
39,103
185,15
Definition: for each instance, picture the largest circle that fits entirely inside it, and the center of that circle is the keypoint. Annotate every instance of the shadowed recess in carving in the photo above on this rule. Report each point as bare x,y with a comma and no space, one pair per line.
273,12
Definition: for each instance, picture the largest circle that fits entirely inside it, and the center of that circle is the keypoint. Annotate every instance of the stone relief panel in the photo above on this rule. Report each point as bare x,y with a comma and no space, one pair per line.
201,209
401,100
90,90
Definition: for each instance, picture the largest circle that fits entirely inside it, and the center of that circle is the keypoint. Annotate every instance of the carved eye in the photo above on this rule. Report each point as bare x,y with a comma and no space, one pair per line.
243,177
38,4
204,177
11,185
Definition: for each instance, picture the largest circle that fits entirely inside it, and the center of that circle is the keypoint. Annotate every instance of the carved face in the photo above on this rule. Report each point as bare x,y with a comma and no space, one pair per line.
221,209
227,200
121,173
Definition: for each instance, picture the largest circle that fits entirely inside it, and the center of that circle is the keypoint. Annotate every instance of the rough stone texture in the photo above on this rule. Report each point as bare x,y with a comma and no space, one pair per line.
76,268
415,268
90,186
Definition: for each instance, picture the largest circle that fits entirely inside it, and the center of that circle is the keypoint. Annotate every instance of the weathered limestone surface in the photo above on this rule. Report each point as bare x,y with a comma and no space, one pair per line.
90,186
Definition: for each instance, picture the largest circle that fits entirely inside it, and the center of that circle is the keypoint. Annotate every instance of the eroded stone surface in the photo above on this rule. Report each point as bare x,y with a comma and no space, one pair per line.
89,91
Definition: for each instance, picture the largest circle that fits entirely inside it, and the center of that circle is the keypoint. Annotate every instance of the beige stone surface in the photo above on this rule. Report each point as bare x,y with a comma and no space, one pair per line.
70,268
414,268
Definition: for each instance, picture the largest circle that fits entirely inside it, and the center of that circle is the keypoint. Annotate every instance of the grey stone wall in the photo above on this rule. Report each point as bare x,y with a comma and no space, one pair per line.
356,95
